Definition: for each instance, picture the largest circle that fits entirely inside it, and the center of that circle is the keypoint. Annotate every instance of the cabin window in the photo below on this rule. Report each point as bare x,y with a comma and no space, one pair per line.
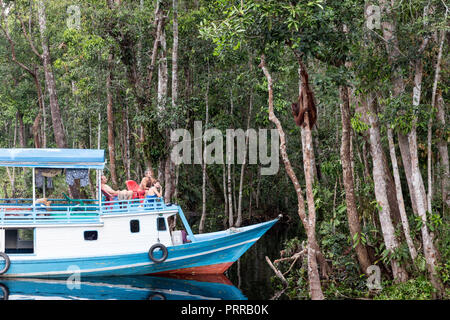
90,235
161,224
134,226
19,240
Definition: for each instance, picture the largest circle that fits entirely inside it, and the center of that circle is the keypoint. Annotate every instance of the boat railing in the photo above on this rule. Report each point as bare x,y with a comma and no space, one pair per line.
124,206
21,211
26,214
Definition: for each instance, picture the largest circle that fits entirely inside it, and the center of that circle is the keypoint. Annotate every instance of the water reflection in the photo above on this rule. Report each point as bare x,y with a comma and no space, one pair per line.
251,273
122,288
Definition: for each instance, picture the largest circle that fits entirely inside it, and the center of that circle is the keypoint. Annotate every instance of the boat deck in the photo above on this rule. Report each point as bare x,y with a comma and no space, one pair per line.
22,211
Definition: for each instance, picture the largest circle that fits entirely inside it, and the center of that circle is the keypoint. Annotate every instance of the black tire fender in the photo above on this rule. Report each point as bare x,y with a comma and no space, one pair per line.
7,263
157,296
162,248
5,292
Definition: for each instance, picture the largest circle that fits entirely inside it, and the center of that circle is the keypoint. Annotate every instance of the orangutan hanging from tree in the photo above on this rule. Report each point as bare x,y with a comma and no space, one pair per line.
305,103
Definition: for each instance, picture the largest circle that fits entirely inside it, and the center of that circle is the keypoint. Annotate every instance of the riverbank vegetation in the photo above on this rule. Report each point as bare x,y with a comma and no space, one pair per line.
355,91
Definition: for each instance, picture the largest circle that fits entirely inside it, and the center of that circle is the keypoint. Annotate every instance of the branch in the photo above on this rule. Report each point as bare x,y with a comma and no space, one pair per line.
277,272
159,25
11,42
427,10
30,41
284,156
294,257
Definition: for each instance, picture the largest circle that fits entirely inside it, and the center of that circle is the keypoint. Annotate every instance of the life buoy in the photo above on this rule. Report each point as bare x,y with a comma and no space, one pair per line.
5,290
162,248
7,263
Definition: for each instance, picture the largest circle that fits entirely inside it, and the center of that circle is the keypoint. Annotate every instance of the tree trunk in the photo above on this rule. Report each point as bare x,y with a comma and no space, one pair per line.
241,179
398,189
391,192
169,181
258,187
390,37
58,130
313,272
430,251
177,175
311,231
415,184
438,103
36,131
352,214
169,175
230,198
406,161
162,72
304,143
156,43
159,24
110,120
387,227
367,176
175,55
99,130
19,117
225,199
41,105
163,80
126,142
443,151
203,217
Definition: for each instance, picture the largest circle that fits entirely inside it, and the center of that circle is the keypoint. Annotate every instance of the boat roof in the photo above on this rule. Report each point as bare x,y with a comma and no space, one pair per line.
53,158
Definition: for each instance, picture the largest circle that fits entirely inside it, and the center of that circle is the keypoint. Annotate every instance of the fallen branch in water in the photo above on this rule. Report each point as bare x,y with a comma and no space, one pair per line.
280,276
294,257
277,272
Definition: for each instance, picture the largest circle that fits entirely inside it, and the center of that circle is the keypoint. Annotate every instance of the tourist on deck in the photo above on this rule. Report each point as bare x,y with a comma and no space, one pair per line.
43,204
154,191
147,181
115,194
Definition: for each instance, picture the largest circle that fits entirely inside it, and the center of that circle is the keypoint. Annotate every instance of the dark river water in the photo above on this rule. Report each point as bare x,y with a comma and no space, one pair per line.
247,279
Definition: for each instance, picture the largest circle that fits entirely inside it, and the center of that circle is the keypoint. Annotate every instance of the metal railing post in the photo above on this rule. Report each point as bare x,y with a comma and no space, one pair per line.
186,224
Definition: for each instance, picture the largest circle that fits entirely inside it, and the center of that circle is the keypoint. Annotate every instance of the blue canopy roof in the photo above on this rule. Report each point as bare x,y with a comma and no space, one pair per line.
53,158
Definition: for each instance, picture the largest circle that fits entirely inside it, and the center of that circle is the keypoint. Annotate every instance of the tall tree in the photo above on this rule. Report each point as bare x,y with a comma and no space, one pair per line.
376,151
348,180
389,29
201,226
110,120
58,131
308,221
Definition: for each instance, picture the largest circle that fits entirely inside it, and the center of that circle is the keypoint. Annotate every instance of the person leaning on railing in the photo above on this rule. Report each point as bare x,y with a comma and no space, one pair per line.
154,191
116,194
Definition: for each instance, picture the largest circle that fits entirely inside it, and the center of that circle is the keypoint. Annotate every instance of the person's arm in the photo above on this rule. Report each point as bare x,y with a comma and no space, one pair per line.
110,190
155,190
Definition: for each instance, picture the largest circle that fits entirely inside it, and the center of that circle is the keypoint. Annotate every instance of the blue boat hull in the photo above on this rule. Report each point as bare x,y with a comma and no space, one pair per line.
211,253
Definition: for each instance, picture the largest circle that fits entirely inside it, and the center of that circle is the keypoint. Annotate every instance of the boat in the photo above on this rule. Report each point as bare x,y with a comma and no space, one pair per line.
198,287
96,238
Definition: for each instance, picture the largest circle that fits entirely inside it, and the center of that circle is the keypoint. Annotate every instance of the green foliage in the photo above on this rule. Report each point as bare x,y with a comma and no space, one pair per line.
357,124
220,43
413,289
